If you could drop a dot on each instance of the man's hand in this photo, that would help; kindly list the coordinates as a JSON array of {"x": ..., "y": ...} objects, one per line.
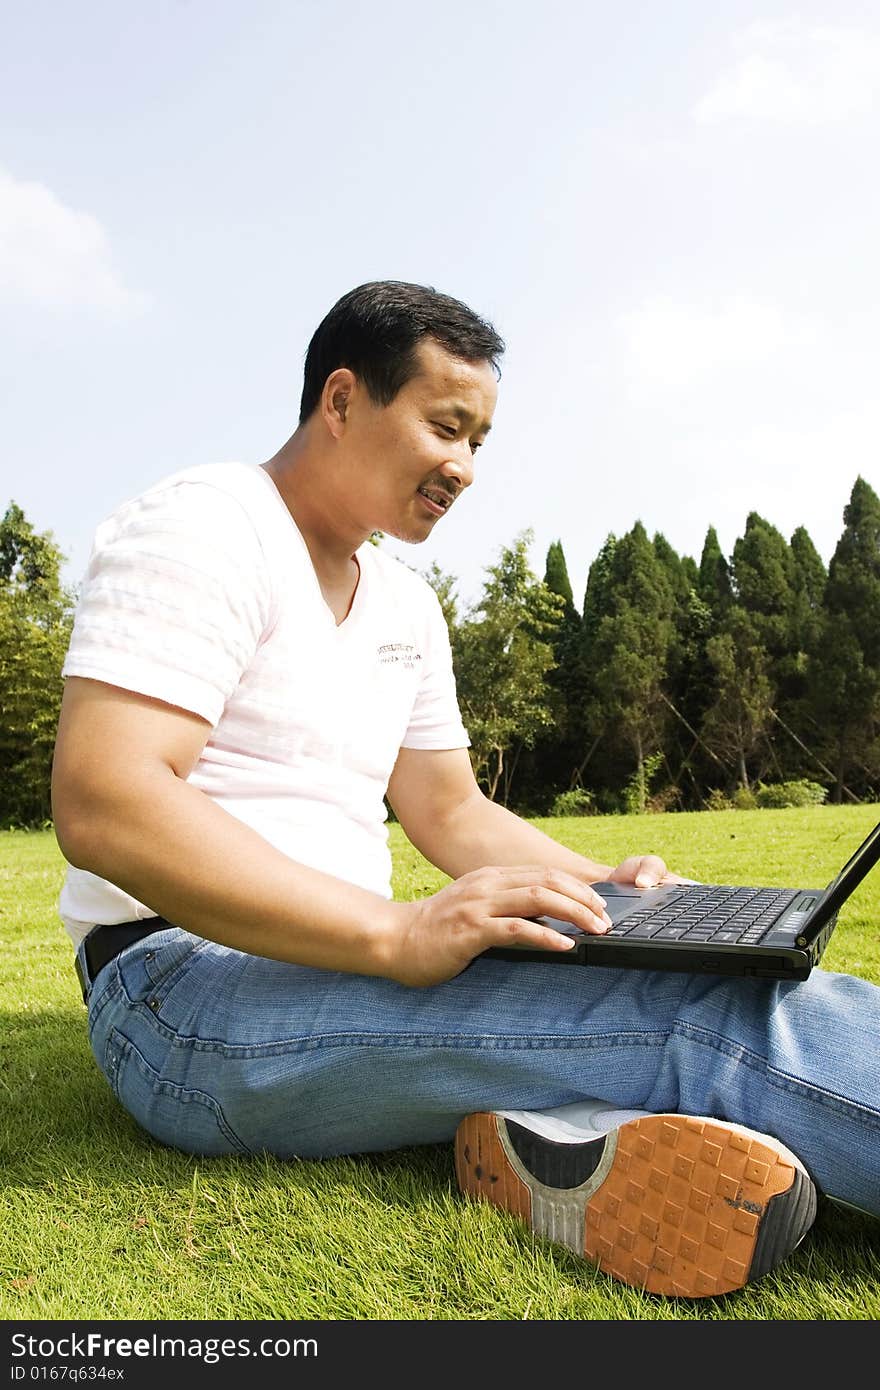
[
  {"x": 645, "y": 871},
  {"x": 438, "y": 936}
]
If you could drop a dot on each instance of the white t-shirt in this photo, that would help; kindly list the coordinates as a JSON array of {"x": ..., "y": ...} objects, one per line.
[{"x": 201, "y": 592}]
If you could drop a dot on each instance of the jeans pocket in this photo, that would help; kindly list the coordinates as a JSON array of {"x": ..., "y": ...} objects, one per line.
[
  {"x": 162, "y": 957},
  {"x": 181, "y": 1117}
]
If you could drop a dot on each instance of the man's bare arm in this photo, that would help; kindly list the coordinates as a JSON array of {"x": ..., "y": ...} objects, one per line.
[
  {"x": 124, "y": 810},
  {"x": 438, "y": 802}
]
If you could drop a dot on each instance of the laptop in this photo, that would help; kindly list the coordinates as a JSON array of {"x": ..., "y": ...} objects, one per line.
[{"x": 771, "y": 933}]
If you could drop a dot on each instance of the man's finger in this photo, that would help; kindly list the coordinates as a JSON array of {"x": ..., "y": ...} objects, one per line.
[
  {"x": 546, "y": 902},
  {"x": 651, "y": 871},
  {"x": 522, "y": 931},
  {"x": 554, "y": 880}
]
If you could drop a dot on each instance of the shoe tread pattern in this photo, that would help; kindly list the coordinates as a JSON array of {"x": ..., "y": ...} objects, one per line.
[
  {"x": 681, "y": 1210},
  {"x": 686, "y": 1207}
]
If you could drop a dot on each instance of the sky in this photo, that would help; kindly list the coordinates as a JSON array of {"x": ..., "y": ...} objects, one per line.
[{"x": 670, "y": 212}]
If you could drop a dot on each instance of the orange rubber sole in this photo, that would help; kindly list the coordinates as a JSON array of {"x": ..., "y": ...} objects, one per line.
[{"x": 675, "y": 1205}]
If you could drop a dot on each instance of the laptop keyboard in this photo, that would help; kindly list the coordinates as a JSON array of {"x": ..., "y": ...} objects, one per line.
[{"x": 705, "y": 913}]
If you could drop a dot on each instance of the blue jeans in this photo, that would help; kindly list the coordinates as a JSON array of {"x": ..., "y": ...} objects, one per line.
[{"x": 214, "y": 1051}]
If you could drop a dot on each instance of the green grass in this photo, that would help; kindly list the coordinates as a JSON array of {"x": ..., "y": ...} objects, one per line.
[{"x": 98, "y": 1221}]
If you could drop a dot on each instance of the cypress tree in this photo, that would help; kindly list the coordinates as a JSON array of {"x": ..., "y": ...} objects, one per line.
[
  {"x": 810, "y": 573},
  {"x": 807, "y": 591},
  {"x": 739, "y": 714},
  {"x": 749, "y": 648},
  {"x": 683, "y": 577},
  {"x": 631, "y": 650},
  {"x": 691, "y": 571},
  {"x": 763, "y": 575},
  {"x": 854, "y": 572},
  {"x": 714, "y": 586},
  {"x": 597, "y": 593},
  {"x": 597, "y": 748},
  {"x": 549, "y": 766},
  {"x": 845, "y": 673},
  {"x": 556, "y": 575}
]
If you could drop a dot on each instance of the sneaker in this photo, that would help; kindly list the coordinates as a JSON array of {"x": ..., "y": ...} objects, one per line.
[{"x": 672, "y": 1204}]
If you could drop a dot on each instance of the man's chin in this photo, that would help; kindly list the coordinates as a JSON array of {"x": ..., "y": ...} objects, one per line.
[{"x": 412, "y": 534}]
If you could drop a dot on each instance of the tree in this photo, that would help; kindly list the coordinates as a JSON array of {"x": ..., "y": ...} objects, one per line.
[
  {"x": 810, "y": 573},
  {"x": 809, "y": 577},
  {"x": 853, "y": 585},
  {"x": 808, "y": 591},
  {"x": 763, "y": 571},
  {"x": 36, "y": 614},
  {"x": 556, "y": 576},
  {"x": 502, "y": 654},
  {"x": 684, "y": 682},
  {"x": 599, "y": 587},
  {"x": 714, "y": 584},
  {"x": 845, "y": 672},
  {"x": 593, "y": 741},
  {"x": 739, "y": 714},
  {"x": 631, "y": 648},
  {"x": 679, "y": 572},
  {"x": 551, "y": 765},
  {"x": 444, "y": 587}
]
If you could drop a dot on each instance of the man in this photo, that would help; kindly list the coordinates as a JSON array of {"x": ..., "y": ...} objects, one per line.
[{"x": 247, "y": 679}]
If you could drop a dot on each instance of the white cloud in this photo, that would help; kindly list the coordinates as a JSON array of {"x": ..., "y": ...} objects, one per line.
[
  {"x": 671, "y": 344},
  {"x": 55, "y": 256},
  {"x": 797, "y": 74}
]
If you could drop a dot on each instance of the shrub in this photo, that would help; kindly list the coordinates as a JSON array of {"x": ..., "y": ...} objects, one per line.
[
  {"x": 668, "y": 798},
  {"x": 744, "y": 799},
  {"x": 717, "y": 801},
  {"x": 575, "y": 802},
  {"x": 635, "y": 793},
  {"x": 800, "y": 793}
]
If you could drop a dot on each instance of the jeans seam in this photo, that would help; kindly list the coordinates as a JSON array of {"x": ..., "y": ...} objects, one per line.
[
  {"x": 184, "y": 1094},
  {"x": 431, "y": 1041},
  {"x": 102, "y": 999}
]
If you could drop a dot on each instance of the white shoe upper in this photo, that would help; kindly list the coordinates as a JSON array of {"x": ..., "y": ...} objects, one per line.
[{"x": 572, "y": 1124}]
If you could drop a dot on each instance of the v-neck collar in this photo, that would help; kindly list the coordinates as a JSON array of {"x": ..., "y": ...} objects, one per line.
[{"x": 357, "y": 598}]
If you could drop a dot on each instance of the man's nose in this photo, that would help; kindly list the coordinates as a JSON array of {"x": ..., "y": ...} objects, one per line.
[{"x": 460, "y": 465}]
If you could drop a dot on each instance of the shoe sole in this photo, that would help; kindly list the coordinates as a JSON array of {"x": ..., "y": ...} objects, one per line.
[{"x": 671, "y": 1204}]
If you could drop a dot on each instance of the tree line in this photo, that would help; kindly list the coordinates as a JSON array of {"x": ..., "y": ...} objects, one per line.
[{"x": 678, "y": 684}]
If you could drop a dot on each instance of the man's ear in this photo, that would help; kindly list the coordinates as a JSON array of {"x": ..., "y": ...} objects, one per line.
[{"x": 336, "y": 399}]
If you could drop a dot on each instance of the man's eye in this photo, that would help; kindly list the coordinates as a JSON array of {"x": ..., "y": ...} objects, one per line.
[{"x": 449, "y": 430}]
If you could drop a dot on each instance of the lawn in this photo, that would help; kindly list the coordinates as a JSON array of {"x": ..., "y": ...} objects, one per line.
[{"x": 99, "y": 1222}]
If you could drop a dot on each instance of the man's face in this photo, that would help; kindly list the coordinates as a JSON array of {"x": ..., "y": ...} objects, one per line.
[{"x": 410, "y": 460}]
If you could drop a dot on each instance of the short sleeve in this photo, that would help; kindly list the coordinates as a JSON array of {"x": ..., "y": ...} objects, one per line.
[
  {"x": 175, "y": 598},
  {"x": 435, "y": 721}
]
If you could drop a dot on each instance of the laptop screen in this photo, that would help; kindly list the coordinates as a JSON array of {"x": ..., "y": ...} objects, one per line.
[{"x": 850, "y": 876}]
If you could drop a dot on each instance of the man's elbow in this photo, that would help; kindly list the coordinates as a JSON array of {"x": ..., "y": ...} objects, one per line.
[
  {"x": 73, "y": 821},
  {"x": 88, "y": 819}
]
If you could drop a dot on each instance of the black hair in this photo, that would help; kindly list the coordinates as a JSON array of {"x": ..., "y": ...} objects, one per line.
[{"x": 375, "y": 329}]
